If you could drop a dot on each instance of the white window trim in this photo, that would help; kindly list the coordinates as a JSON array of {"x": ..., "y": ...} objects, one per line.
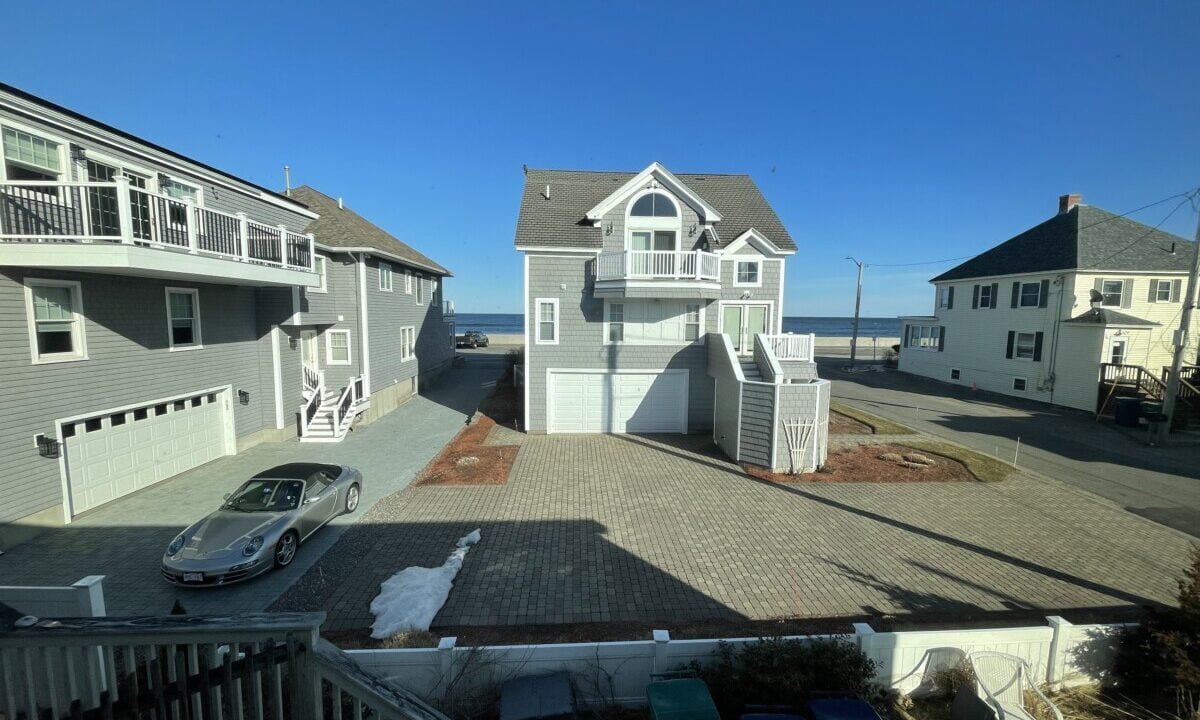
[
  {"x": 122, "y": 166},
  {"x": 385, "y": 266},
  {"x": 411, "y": 334},
  {"x": 1017, "y": 346},
  {"x": 1120, "y": 293},
  {"x": 683, "y": 323},
  {"x": 1023, "y": 381},
  {"x": 759, "y": 274},
  {"x": 943, "y": 297},
  {"x": 64, "y": 157},
  {"x": 408, "y": 284},
  {"x": 1021, "y": 294},
  {"x": 1113, "y": 341},
  {"x": 1158, "y": 285},
  {"x": 920, "y": 348},
  {"x": 329, "y": 348},
  {"x": 198, "y": 187},
  {"x": 323, "y": 273},
  {"x": 198, "y": 344},
  {"x": 991, "y": 301},
  {"x": 420, "y": 279},
  {"x": 537, "y": 321},
  {"x": 80, "y": 331},
  {"x": 650, "y": 224}
]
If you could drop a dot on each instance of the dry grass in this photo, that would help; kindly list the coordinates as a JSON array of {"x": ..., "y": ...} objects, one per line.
[
  {"x": 410, "y": 639},
  {"x": 984, "y": 467},
  {"x": 877, "y": 424},
  {"x": 1082, "y": 703}
]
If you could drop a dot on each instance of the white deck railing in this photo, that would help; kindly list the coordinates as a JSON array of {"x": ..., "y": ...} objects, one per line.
[
  {"x": 654, "y": 264},
  {"x": 792, "y": 347},
  {"x": 116, "y": 212},
  {"x": 314, "y": 387},
  {"x": 447, "y": 308}
]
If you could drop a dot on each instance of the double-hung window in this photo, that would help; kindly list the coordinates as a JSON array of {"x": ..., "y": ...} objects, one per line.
[
  {"x": 748, "y": 272},
  {"x": 55, "y": 320},
  {"x": 946, "y": 297},
  {"x": 1023, "y": 348},
  {"x": 691, "y": 322},
  {"x": 408, "y": 278},
  {"x": 420, "y": 281},
  {"x": 337, "y": 347},
  {"x": 183, "y": 318},
  {"x": 319, "y": 269},
  {"x": 547, "y": 321},
  {"x": 1112, "y": 290},
  {"x": 408, "y": 343},
  {"x": 616, "y": 322},
  {"x": 1031, "y": 294},
  {"x": 31, "y": 157},
  {"x": 985, "y": 296},
  {"x": 385, "y": 277},
  {"x": 925, "y": 337},
  {"x": 172, "y": 188}
]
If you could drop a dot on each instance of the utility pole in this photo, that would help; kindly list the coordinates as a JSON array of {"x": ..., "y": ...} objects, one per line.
[
  {"x": 857, "y": 306},
  {"x": 1181, "y": 340}
]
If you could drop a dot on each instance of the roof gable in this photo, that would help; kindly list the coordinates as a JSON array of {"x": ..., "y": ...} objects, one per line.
[
  {"x": 340, "y": 227},
  {"x": 651, "y": 177},
  {"x": 756, "y": 240}
]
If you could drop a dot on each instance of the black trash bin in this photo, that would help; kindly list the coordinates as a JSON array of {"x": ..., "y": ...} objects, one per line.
[{"x": 1126, "y": 411}]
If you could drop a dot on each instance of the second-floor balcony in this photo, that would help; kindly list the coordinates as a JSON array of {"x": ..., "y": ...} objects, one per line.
[
  {"x": 636, "y": 273},
  {"x": 116, "y": 227}
]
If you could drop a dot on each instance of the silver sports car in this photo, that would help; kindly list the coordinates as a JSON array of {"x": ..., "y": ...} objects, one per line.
[{"x": 262, "y": 524}]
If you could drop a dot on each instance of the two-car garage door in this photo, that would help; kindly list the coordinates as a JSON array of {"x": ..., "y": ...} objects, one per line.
[
  {"x": 125, "y": 450},
  {"x": 617, "y": 402}
]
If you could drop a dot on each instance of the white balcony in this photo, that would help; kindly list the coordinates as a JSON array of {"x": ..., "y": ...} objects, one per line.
[{"x": 114, "y": 227}]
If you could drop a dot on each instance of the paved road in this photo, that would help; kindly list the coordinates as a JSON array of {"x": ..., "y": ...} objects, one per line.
[
  {"x": 124, "y": 540},
  {"x": 1162, "y": 484}
]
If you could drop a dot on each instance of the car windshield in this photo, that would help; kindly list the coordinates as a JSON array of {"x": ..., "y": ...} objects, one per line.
[{"x": 259, "y": 495}]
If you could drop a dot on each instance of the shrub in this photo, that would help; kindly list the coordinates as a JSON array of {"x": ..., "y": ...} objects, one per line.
[
  {"x": 774, "y": 671},
  {"x": 1161, "y": 656}
]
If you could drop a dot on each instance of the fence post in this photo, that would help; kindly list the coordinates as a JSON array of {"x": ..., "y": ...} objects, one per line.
[
  {"x": 283, "y": 245},
  {"x": 244, "y": 230},
  {"x": 446, "y": 658},
  {"x": 90, "y": 596},
  {"x": 1056, "y": 663},
  {"x": 662, "y": 638},
  {"x": 124, "y": 208}
]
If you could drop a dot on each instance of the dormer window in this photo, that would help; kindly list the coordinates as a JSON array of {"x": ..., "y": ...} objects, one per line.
[
  {"x": 653, "y": 233},
  {"x": 654, "y": 205}
]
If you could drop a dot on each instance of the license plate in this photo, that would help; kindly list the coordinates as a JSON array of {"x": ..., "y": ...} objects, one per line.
[{"x": 193, "y": 577}]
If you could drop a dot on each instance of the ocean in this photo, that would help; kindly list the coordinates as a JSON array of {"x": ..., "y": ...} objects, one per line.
[{"x": 511, "y": 324}]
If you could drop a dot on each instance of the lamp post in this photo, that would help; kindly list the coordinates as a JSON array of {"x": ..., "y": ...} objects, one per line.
[{"x": 857, "y": 306}]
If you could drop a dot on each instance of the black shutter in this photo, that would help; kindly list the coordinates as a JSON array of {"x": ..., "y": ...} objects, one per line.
[
  {"x": 1175, "y": 285},
  {"x": 1044, "y": 295},
  {"x": 950, "y": 299},
  {"x": 975, "y": 298},
  {"x": 1153, "y": 296},
  {"x": 1012, "y": 336},
  {"x": 1037, "y": 346},
  {"x": 941, "y": 338},
  {"x": 1016, "y": 293},
  {"x": 995, "y": 295}
]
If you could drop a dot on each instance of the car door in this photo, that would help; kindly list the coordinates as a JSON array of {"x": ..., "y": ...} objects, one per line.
[{"x": 320, "y": 503}]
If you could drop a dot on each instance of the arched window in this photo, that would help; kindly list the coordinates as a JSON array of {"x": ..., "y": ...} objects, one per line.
[{"x": 654, "y": 205}]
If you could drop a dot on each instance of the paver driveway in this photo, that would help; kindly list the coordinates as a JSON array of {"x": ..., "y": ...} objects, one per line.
[
  {"x": 625, "y": 528},
  {"x": 124, "y": 541}
]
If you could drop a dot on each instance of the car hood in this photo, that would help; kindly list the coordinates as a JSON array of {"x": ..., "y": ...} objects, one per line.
[{"x": 227, "y": 531}]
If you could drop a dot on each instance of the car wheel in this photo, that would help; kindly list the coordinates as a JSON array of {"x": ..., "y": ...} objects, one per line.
[
  {"x": 474, "y": 345},
  {"x": 352, "y": 498},
  {"x": 285, "y": 549}
]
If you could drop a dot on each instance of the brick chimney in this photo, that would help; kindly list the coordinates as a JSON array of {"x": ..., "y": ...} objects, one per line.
[{"x": 1066, "y": 202}]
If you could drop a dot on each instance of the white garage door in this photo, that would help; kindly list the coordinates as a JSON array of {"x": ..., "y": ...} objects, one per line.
[
  {"x": 117, "y": 453},
  {"x": 590, "y": 402}
]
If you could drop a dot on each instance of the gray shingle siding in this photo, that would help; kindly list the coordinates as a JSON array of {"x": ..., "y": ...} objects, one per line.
[
  {"x": 387, "y": 313},
  {"x": 129, "y": 362},
  {"x": 803, "y": 403},
  {"x": 758, "y": 417}
]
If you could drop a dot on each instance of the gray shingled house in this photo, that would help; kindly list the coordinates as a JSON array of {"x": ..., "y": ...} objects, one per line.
[
  {"x": 1075, "y": 311},
  {"x": 158, "y": 313},
  {"x": 653, "y": 304}
]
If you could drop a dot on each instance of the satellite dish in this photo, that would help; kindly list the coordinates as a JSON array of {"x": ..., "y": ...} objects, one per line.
[{"x": 1094, "y": 296}]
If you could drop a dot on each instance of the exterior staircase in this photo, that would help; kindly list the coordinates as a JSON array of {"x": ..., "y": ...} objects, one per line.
[
  {"x": 322, "y": 427},
  {"x": 326, "y": 414},
  {"x": 750, "y": 369}
]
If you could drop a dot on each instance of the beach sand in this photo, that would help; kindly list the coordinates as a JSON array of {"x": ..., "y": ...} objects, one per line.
[{"x": 835, "y": 345}]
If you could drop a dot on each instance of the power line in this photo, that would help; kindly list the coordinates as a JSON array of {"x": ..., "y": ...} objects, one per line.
[
  {"x": 1187, "y": 198},
  {"x": 927, "y": 262}
]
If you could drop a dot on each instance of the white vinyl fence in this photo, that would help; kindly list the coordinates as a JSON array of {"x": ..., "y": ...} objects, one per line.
[
  {"x": 84, "y": 598},
  {"x": 1059, "y": 654}
]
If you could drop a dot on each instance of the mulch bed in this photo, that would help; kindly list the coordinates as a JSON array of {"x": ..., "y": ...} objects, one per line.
[
  {"x": 466, "y": 460},
  {"x": 864, "y": 464},
  {"x": 840, "y": 424}
]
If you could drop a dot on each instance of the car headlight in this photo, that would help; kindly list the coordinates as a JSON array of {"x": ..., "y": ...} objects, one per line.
[
  {"x": 253, "y": 546},
  {"x": 176, "y": 544}
]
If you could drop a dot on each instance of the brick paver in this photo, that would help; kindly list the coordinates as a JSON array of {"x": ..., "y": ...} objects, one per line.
[{"x": 616, "y": 528}]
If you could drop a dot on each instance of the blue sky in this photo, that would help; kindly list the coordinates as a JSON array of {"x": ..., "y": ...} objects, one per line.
[{"x": 895, "y": 132}]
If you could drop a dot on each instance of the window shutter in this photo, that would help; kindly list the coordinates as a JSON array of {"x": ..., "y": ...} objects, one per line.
[
  {"x": 941, "y": 338},
  {"x": 1127, "y": 293},
  {"x": 950, "y": 299},
  {"x": 1012, "y": 337},
  {"x": 1016, "y": 293},
  {"x": 995, "y": 295},
  {"x": 975, "y": 299},
  {"x": 1037, "y": 346},
  {"x": 1153, "y": 296},
  {"x": 1175, "y": 287},
  {"x": 1044, "y": 295}
]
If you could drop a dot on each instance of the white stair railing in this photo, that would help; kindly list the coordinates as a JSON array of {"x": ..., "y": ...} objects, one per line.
[
  {"x": 791, "y": 346},
  {"x": 310, "y": 407}
]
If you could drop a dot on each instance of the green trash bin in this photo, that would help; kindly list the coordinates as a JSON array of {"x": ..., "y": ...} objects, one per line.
[
  {"x": 1151, "y": 407},
  {"x": 683, "y": 699}
]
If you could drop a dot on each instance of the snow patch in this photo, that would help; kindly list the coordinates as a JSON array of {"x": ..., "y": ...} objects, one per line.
[{"x": 411, "y": 598}]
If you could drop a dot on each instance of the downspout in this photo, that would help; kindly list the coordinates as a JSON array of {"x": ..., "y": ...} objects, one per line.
[
  {"x": 363, "y": 334},
  {"x": 1062, "y": 287}
]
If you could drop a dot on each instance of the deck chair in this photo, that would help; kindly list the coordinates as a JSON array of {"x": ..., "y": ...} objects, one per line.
[
  {"x": 934, "y": 660},
  {"x": 1001, "y": 680}
]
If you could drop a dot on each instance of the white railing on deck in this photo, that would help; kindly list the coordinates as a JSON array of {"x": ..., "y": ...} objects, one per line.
[
  {"x": 447, "y": 308},
  {"x": 791, "y": 346},
  {"x": 347, "y": 406},
  {"x": 651, "y": 264},
  {"x": 116, "y": 212}
]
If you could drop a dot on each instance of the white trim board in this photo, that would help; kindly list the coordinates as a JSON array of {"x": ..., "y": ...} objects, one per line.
[
  {"x": 655, "y": 171},
  {"x": 756, "y": 240},
  {"x": 383, "y": 254}
]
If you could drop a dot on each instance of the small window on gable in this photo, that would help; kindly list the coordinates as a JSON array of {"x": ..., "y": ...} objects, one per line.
[
  {"x": 748, "y": 272},
  {"x": 654, "y": 205}
]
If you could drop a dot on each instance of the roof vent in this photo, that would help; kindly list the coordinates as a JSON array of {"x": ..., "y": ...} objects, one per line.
[
  {"x": 547, "y": 192},
  {"x": 341, "y": 206},
  {"x": 1066, "y": 202}
]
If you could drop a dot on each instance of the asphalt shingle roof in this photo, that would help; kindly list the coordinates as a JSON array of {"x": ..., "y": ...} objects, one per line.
[
  {"x": 1083, "y": 238},
  {"x": 560, "y": 222},
  {"x": 342, "y": 227},
  {"x": 1104, "y": 316}
]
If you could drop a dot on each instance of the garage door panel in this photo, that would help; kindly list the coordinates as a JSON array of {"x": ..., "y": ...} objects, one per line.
[
  {"x": 617, "y": 402},
  {"x": 112, "y": 461}
]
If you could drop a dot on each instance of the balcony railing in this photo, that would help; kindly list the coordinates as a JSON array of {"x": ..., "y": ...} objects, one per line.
[
  {"x": 658, "y": 264},
  {"x": 447, "y": 308},
  {"x": 117, "y": 212},
  {"x": 792, "y": 347}
]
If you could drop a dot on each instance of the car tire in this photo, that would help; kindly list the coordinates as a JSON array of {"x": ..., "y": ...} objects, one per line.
[
  {"x": 474, "y": 345},
  {"x": 285, "y": 549},
  {"x": 353, "y": 495}
]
